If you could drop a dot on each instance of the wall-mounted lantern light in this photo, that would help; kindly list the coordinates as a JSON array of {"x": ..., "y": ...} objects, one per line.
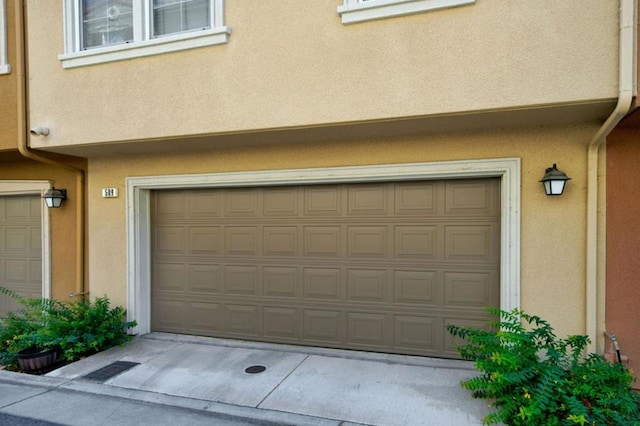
[
  {"x": 554, "y": 181},
  {"x": 54, "y": 197}
]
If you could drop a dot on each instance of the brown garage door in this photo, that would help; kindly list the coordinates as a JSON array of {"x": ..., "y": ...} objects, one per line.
[
  {"x": 20, "y": 248},
  {"x": 377, "y": 266}
]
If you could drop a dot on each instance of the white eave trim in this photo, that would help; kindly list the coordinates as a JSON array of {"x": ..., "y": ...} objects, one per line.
[
  {"x": 152, "y": 47},
  {"x": 359, "y": 11}
]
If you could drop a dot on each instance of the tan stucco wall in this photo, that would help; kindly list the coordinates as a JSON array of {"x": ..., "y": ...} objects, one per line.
[
  {"x": 9, "y": 88},
  {"x": 292, "y": 63},
  {"x": 62, "y": 221},
  {"x": 552, "y": 231}
]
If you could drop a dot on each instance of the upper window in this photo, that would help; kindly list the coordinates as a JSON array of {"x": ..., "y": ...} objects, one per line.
[
  {"x": 106, "y": 23},
  {"x": 176, "y": 16},
  {"x": 5, "y": 68},
  {"x": 100, "y": 31},
  {"x": 367, "y": 10}
]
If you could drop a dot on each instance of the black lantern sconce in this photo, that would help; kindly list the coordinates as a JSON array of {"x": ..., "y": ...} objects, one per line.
[
  {"x": 554, "y": 181},
  {"x": 54, "y": 197}
]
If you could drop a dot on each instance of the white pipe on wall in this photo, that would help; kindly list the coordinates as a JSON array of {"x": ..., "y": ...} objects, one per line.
[
  {"x": 25, "y": 150},
  {"x": 626, "y": 93}
]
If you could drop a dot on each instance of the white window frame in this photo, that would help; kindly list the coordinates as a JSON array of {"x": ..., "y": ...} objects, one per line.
[
  {"x": 138, "y": 217},
  {"x": 353, "y": 11},
  {"x": 144, "y": 44},
  {"x": 5, "y": 68}
]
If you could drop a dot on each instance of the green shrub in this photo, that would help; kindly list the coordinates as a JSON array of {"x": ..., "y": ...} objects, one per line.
[
  {"x": 535, "y": 378},
  {"x": 76, "y": 328}
]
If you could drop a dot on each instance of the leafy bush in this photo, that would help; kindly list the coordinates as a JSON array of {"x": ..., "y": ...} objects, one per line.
[
  {"x": 535, "y": 378},
  {"x": 76, "y": 328}
]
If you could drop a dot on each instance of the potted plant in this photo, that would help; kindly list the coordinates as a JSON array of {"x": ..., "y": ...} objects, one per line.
[
  {"x": 27, "y": 337},
  {"x": 37, "y": 359},
  {"x": 42, "y": 331}
]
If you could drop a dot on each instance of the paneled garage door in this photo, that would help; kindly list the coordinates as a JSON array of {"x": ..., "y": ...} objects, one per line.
[
  {"x": 20, "y": 248},
  {"x": 376, "y": 266}
]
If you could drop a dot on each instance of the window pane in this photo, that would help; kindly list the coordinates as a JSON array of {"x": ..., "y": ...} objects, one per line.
[
  {"x": 174, "y": 16},
  {"x": 106, "y": 22}
]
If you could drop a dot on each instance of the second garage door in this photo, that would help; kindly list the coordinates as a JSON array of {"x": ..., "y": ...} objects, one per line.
[
  {"x": 20, "y": 248},
  {"x": 371, "y": 266}
]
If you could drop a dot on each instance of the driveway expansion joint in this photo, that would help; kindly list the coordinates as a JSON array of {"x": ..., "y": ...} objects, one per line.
[{"x": 282, "y": 381}]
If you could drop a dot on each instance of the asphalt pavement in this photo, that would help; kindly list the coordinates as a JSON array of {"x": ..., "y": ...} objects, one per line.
[
  {"x": 9, "y": 420},
  {"x": 44, "y": 404}
]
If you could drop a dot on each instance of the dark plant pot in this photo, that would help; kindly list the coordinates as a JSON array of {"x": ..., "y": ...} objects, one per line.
[{"x": 35, "y": 359}]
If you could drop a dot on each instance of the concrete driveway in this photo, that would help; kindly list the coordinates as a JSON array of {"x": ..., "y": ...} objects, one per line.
[{"x": 357, "y": 387}]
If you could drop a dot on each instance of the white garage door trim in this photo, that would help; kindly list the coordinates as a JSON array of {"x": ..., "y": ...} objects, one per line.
[
  {"x": 35, "y": 187},
  {"x": 138, "y": 212}
]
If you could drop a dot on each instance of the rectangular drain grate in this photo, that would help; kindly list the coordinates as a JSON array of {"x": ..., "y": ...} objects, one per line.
[{"x": 109, "y": 371}]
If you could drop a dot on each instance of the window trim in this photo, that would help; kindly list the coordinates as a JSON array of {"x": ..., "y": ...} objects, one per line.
[
  {"x": 5, "y": 68},
  {"x": 144, "y": 44},
  {"x": 353, "y": 11}
]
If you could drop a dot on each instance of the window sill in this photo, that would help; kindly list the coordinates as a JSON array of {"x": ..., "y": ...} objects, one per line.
[
  {"x": 379, "y": 9},
  {"x": 147, "y": 48},
  {"x": 5, "y": 69}
]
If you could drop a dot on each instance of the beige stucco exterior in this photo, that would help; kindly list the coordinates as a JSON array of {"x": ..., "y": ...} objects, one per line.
[
  {"x": 62, "y": 230},
  {"x": 299, "y": 66},
  {"x": 8, "y": 128},
  {"x": 294, "y": 88},
  {"x": 553, "y": 238},
  {"x": 19, "y": 175}
]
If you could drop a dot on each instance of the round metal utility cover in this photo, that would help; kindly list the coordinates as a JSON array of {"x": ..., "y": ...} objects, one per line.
[{"x": 255, "y": 369}]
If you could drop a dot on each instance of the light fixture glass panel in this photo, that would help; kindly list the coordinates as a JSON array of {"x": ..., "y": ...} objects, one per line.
[
  {"x": 557, "y": 186},
  {"x": 53, "y": 198}
]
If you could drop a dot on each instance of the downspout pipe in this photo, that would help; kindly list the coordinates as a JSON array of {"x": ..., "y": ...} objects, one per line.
[
  {"x": 23, "y": 131},
  {"x": 626, "y": 93}
]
